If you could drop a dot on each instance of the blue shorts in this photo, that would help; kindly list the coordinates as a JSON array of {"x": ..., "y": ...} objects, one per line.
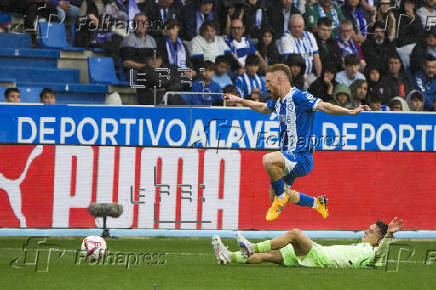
[{"x": 297, "y": 164}]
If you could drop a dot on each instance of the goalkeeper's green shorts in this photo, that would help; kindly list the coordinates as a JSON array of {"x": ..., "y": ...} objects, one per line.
[{"x": 315, "y": 257}]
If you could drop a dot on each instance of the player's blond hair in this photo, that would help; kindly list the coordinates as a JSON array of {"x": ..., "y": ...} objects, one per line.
[{"x": 282, "y": 68}]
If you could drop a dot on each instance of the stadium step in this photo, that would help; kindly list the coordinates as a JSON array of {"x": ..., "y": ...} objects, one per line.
[
  {"x": 24, "y": 74},
  {"x": 26, "y": 57},
  {"x": 14, "y": 40}
]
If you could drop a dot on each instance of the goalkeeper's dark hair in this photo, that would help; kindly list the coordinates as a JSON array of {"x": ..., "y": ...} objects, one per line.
[{"x": 383, "y": 227}]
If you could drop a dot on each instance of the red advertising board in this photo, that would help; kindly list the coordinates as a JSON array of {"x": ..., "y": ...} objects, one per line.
[{"x": 51, "y": 186}]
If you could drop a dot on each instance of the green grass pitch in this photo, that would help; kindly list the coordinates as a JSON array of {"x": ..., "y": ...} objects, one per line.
[{"x": 189, "y": 263}]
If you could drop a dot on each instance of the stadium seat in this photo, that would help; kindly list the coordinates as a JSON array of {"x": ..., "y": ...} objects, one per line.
[
  {"x": 53, "y": 35},
  {"x": 14, "y": 40},
  {"x": 102, "y": 71},
  {"x": 29, "y": 95},
  {"x": 2, "y": 93},
  {"x": 5, "y": 17}
]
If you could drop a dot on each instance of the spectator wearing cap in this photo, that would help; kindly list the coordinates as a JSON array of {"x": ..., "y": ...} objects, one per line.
[
  {"x": 171, "y": 47},
  {"x": 425, "y": 82},
  {"x": 346, "y": 43},
  {"x": 329, "y": 51},
  {"x": 323, "y": 86},
  {"x": 427, "y": 13},
  {"x": 195, "y": 14},
  {"x": 301, "y": 42},
  {"x": 280, "y": 14},
  {"x": 138, "y": 45},
  {"x": 240, "y": 45},
  {"x": 415, "y": 100},
  {"x": 12, "y": 95},
  {"x": 48, "y": 96},
  {"x": 351, "y": 72},
  {"x": 377, "y": 48},
  {"x": 422, "y": 48},
  {"x": 396, "y": 79},
  {"x": 159, "y": 12},
  {"x": 324, "y": 8}
]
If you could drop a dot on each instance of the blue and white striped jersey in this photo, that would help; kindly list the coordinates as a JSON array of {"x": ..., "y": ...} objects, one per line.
[
  {"x": 296, "y": 113},
  {"x": 306, "y": 47}
]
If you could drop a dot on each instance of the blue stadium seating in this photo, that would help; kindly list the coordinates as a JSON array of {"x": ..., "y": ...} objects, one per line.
[
  {"x": 53, "y": 35},
  {"x": 13, "y": 40},
  {"x": 27, "y": 95},
  {"x": 26, "y": 57},
  {"x": 5, "y": 17},
  {"x": 25, "y": 74},
  {"x": 102, "y": 71}
]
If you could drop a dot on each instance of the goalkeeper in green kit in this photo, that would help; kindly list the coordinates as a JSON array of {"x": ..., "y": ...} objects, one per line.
[{"x": 296, "y": 249}]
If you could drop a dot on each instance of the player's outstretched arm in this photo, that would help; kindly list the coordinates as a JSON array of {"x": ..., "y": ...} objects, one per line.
[
  {"x": 256, "y": 106},
  {"x": 338, "y": 110}
]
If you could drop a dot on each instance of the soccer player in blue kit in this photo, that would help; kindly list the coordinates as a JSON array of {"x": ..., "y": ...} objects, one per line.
[{"x": 295, "y": 109}]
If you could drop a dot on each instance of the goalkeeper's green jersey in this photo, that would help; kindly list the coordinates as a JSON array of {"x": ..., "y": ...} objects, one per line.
[{"x": 361, "y": 255}]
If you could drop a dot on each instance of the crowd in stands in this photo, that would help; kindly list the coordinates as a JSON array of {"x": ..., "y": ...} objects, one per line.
[{"x": 348, "y": 52}]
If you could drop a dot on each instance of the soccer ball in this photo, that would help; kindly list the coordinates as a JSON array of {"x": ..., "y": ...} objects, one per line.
[{"x": 93, "y": 247}]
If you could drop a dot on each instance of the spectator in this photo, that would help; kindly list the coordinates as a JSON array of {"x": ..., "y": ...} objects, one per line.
[
  {"x": 385, "y": 15},
  {"x": 422, "y": 48},
  {"x": 137, "y": 46},
  {"x": 329, "y": 51},
  {"x": 415, "y": 100},
  {"x": 425, "y": 82},
  {"x": 346, "y": 42},
  {"x": 409, "y": 26},
  {"x": 91, "y": 11},
  {"x": 159, "y": 12},
  {"x": 353, "y": 12},
  {"x": 324, "y": 8},
  {"x": 250, "y": 85},
  {"x": 235, "y": 10},
  {"x": 66, "y": 9},
  {"x": 255, "y": 12},
  {"x": 376, "y": 81},
  {"x": 375, "y": 102},
  {"x": 342, "y": 96},
  {"x": 241, "y": 46},
  {"x": 359, "y": 93},
  {"x": 230, "y": 89},
  {"x": 427, "y": 14},
  {"x": 297, "y": 65},
  {"x": 12, "y": 95},
  {"x": 396, "y": 79},
  {"x": 377, "y": 48},
  {"x": 205, "y": 85},
  {"x": 280, "y": 15},
  {"x": 324, "y": 85},
  {"x": 351, "y": 72},
  {"x": 171, "y": 47},
  {"x": 196, "y": 13},
  {"x": 33, "y": 10},
  {"x": 398, "y": 104},
  {"x": 221, "y": 76},
  {"x": 370, "y": 6},
  {"x": 268, "y": 49},
  {"x": 207, "y": 46},
  {"x": 156, "y": 81},
  {"x": 301, "y": 42},
  {"x": 47, "y": 96}
]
